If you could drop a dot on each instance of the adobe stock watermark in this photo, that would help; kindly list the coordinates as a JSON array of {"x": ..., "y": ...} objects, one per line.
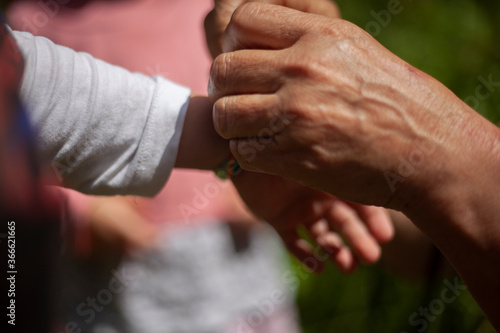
[
  {"x": 409, "y": 165},
  {"x": 383, "y": 18},
  {"x": 87, "y": 310},
  {"x": 422, "y": 318},
  {"x": 48, "y": 9},
  {"x": 266, "y": 308},
  {"x": 201, "y": 199},
  {"x": 484, "y": 90},
  {"x": 157, "y": 70},
  {"x": 253, "y": 146},
  {"x": 65, "y": 166}
]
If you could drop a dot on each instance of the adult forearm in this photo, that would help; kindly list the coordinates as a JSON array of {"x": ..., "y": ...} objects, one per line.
[
  {"x": 459, "y": 208},
  {"x": 363, "y": 125}
]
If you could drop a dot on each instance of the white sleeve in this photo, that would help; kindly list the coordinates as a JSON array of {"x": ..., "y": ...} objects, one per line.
[{"x": 104, "y": 130}]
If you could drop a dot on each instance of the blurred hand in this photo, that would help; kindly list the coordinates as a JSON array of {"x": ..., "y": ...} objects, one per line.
[
  {"x": 115, "y": 226},
  {"x": 218, "y": 19},
  {"x": 319, "y": 101},
  {"x": 286, "y": 205}
]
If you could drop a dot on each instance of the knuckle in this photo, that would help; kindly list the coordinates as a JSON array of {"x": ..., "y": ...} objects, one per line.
[
  {"x": 303, "y": 64},
  {"x": 218, "y": 74},
  {"x": 220, "y": 118},
  {"x": 245, "y": 11}
]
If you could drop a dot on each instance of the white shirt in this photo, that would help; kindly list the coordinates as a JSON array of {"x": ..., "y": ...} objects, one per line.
[{"x": 104, "y": 130}]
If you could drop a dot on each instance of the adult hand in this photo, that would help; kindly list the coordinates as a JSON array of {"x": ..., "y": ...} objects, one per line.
[
  {"x": 287, "y": 205},
  {"x": 318, "y": 100},
  {"x": 218, "y": 19}
]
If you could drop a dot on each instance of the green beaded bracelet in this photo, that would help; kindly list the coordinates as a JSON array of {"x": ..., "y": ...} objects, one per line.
[{"x": 228, "y": 169}]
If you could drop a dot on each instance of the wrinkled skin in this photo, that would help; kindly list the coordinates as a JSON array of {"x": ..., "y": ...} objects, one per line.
[{"x": 359, "y": 123}]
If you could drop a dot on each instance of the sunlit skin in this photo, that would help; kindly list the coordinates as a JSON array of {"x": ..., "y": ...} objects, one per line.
[
  {"x": 286, "y": 205},
  {"x": 358, "y": 114}
]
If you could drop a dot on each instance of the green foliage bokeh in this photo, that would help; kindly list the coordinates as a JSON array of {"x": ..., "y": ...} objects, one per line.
[{"x": 455, "y": 41}]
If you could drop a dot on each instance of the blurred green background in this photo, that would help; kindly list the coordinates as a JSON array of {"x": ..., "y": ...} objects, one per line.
[{"x": 455, "y": 41}]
